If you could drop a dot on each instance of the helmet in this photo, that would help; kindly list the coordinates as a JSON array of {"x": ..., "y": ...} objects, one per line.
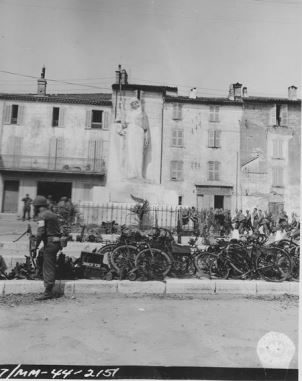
[{"x": 40, "y": 201}]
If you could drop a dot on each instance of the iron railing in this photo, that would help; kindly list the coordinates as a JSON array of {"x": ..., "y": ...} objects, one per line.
[{"x": 48, "y": 163}]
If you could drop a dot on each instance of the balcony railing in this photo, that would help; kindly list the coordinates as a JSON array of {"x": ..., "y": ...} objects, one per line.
[{"x": 52, "y": 164}]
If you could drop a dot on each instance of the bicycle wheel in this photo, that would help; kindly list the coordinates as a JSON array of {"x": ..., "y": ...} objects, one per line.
[
  {"x": 219, "y": 267},
  {"x": 122, "y": 258},
  {"x": 154, "y": 261},
  {"x": 273, "y": 265},
  {"x": 106, "y": 251},
  {"x": 202, "y": 263},
  {"x": 238, "y": 264}
]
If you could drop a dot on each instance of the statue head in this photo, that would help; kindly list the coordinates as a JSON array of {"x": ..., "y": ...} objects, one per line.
[{"x": 135, "y": 103}]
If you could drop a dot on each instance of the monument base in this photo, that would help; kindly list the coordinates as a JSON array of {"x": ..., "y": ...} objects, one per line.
[{"x": 121, "y": 191}]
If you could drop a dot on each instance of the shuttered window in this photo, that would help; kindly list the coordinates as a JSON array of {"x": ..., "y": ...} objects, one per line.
[
  {"x": 272, "y": 116},
  {"x": 55, "y": 116},
  {"x": 56, "y": 153},
  {"x": 177, "y": 111},
  {"x": 177, "y": 137},
  {"x": 13, "y": 114},
  {"x": 95, "y": 155},
  {"x": 277, "y": 176},
  {"x": 213, "y": 170},
  {"x": 214, "y": 138},
  {"x": 214, "y": 113},
  {"x": 277, "y": 148},
  {"x": 97, "y": 119},
  {"x": 284, "y": 115},
  {"x": 176, "y": 170}
]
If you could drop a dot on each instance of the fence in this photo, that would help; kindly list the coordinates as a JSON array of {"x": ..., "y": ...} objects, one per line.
[{"x": 162, "y": 216}]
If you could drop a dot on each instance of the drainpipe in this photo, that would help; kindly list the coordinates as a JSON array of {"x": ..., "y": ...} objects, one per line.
[
  {"x": 161, "y": 141},
  {"x": 237, "y": 179}
]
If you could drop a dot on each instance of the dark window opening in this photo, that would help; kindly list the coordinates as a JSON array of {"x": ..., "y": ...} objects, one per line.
[
  {"x": 218, "y": 202},
  {"x": 14, "y": 118},
  {"x": 278, "y": 115},
  {"x": 56, "y": 189},
  {"x": 55, "y": 116},
  {"x": 179, "y": 200},
  {"x": 97, "y": 118}
]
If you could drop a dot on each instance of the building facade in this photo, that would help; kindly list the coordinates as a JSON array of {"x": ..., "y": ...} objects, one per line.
[
  {"x": 271, "y": 152},
  {"x": 52, "y": 145},
  {"x": 233, "y": 152}
]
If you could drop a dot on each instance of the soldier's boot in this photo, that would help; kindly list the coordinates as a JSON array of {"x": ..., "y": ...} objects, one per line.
[{"x": 47, "y": 294}]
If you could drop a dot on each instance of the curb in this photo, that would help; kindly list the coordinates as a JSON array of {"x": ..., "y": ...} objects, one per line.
[{"x": 168, "y": 287}]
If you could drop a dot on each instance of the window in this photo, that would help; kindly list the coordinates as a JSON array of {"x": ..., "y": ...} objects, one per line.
[
  {"x": 177, "y": 111},
  {"x": 177, "y": 137},
  {"x": 14, "y": 117},
  {"x": 13, "y": 114},
  {"x": 277, "y": 148},
  {"x": 214, "y": 138},
  {"x": 214, "y": 113},
  {"x": 55, "y": 116},
  {"x": 277, "y": 177},
  {"x": 213, "y": 170},
  {"x": 96, "y": 119},
  {"x": 279, "y": 115},
  {"x": 177, "y": 170}
]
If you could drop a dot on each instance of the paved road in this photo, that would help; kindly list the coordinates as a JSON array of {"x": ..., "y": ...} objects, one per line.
[{"x": 206, "y": 331}]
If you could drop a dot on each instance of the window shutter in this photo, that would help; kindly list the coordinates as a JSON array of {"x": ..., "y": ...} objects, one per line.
[
  {"x": 177, "y": 111},
  {"x": 20, "y": 115},
  {"x": 273, "y": 120},
  {"x": 180, "y": 138},
  {"x": 212, "y": 117},
  {"x": 275, "y": 148},
  {"x": 52, "y": 152},
  {"x": 174, "y": 137},
  {"x": 210, "y": 170},
  {"x": 61, "y": 117},
  {"x": 105, "y": 120},
  {"x": 217, "y": 164},
  {"x": 88, "y": 118},
  {"x": 211, "y": 137},
  {"x": 60, "y": 147},
  {"x": 217, "y": 138},
  {"x": 284, "y": 115},
  {"x": 275, "y": 174},
  {"x": 216, "y": 113},
  {"x": 91, "y": 153},
  {"x": 7, "y": 114},
  {"x": 280, "y": 148}
]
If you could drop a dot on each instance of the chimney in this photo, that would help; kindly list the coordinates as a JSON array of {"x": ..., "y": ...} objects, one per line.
[
  {"x": 237, "y": 91},
  {"x": 244, "y": 92},
  {"x": 118, "y": 74},
  {"x": 193, "y": 93},
  {"x": 292, "y": 93},
  {"x": 231, "y": 92},
  {"x": 42, "y": 83},
  {"x": 124, "y": 77}
]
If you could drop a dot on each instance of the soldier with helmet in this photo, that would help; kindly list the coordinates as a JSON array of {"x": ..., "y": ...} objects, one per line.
[{"x": 49, "y": 233}]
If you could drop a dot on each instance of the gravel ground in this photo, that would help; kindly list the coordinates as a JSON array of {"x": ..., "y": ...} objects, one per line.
[{"x": 114, "y": 330}]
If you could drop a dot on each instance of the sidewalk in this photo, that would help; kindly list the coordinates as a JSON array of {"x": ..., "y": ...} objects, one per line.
[{"x": 194, "y": 287}]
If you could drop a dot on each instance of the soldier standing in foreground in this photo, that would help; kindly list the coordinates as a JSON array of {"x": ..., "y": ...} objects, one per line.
[{"x": 48, "y": 233}]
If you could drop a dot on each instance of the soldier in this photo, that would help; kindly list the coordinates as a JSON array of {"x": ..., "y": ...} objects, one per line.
[
  {"x": 48, "y": 233},
  {"x": 27, "y": 206}
]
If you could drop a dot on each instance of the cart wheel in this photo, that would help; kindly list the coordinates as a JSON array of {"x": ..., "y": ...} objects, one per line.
[{"x": 132, "y": 275}]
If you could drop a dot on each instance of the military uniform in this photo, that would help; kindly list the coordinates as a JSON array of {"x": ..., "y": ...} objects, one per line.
[{"x": 49, "y": 233}]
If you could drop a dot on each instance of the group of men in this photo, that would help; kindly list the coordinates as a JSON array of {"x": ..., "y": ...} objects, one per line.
[{"x": 64, "y": 207}]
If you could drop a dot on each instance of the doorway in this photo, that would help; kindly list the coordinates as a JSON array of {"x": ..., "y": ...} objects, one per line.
[
  {"x": 218, "y": 202},
  {"x": 55, "y": 189},
  {"x": 10, "y": 196}
]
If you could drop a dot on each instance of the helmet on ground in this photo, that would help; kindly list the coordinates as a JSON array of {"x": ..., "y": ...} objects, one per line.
[{"x": 40, "y": 201}]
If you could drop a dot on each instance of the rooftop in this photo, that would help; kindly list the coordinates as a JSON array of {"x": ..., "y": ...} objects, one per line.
[
  {"x": 97, "y": 99},
  {"x": 151, "y": 88}
]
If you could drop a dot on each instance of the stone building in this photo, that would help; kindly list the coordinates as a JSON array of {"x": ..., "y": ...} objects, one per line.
[
  {"x": 52, "y": 145},
  {"x": 233, "y": 152},
  {"x": 201, "y": 150},
  {"x": 271, "y": 152}
]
